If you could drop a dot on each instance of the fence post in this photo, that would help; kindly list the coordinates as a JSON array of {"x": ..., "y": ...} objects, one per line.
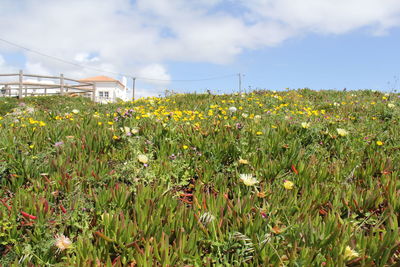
[
  {"x": 21, "y": 79},
  {"x": 133, "y": 88},
  {"x": 62, "y": 84},
  {"x": 94, "y": 92}
]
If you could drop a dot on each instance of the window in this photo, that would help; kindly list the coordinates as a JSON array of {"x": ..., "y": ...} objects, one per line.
[{"x": 104, "y": 94}]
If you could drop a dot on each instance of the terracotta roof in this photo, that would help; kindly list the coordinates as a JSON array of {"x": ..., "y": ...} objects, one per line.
[{"x": 101, "y": 79}]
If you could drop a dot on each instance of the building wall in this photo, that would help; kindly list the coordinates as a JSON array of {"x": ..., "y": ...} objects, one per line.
[{"x": 114, "y": 90}]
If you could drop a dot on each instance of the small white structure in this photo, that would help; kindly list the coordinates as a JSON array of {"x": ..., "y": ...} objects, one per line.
[{"x": 108, "y": 89}]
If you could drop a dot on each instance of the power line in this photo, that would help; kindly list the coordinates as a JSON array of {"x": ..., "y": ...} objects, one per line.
[
  {"x": 62, "y": 60},
  {"x": 192, "y": 80},
  {"x": 111, "y": 72}
]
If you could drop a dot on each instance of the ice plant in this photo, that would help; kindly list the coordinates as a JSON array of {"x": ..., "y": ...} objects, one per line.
[
  {"x": 62, "y": 243},
  {"x": 206, "y": 218},
  {"x": 248, "y": 179},
  {"x": 342, "y": 132},
  {"x": 288, "y": 185}
]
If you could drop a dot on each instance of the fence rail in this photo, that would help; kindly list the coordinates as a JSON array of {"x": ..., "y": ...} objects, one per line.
[{"x": 14, "y": 85}]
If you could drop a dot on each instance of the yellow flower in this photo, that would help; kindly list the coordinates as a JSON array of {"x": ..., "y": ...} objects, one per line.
[
  {"x": 185, "y": 147},
  {"x": 143, "y": 159},
  {"x": 243, "y": 161},
  {"x": 62, "y": 242},
  {"x": 110, "y": 123},
  {"x": 288, "y": 185},
  {"x": 99, "y": 123},
  {"x": 305, "y": 125},
  {"x": 259, "y": 133},
  {"x": 115, "y": 137},
  {"x": 350, "y": 254},
  {"x": 248, "y": 179},
  {"x": 379, "y": 143},
  {"x": 31, "y": 146},
  {"x": 342, "y": 132}
]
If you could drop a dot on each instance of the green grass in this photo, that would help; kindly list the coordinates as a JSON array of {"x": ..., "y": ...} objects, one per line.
[{"x": 70, "y": 167}]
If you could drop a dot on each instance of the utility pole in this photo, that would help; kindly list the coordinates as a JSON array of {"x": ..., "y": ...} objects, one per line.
[
  {"x": 133, "y": 87},
  {"x": 240, "y": 81}
]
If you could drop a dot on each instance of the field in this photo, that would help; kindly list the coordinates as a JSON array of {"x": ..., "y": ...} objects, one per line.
[{"x": 292, "y": 178}]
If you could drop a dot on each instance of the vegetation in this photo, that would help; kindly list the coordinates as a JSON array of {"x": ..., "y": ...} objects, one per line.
[{"x": 294, "y": 178}]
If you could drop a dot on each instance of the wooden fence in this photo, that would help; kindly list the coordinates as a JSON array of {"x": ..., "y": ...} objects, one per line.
[{"x": 16, "y": 86}]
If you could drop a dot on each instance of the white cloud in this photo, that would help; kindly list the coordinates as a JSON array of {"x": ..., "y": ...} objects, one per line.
[
  {"x": 328, "y": 16},
  {"x": 147, "y": 92},
  {"x": 156, "y": 72},
  {"x": 36, "y": 68},
  {"x": 85, "y": 58},
  {"x": 138, "y": 37}
]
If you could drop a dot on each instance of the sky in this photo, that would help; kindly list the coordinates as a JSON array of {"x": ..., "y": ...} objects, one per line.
[{"x": 199, "y": 45}]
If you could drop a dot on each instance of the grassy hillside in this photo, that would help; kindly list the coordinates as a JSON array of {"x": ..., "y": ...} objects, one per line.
[{"x": 295, "y": 178}]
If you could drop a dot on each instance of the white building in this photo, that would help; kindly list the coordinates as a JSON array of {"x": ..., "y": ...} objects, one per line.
[{"x": 108, "y": 89}]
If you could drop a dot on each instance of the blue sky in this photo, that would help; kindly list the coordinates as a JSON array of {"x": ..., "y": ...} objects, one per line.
[
  {"x": 330, "y": 44},
  {"x": 354, "y": 60}
]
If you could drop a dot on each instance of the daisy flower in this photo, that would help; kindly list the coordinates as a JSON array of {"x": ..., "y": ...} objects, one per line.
[{"x": 248, "y": 179}]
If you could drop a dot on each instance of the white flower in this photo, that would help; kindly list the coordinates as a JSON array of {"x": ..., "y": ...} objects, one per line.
[
  {"x": 233, "y": 109},
  {"x": 336, "y": 104},
  {"x": 305, "y": 125},
  {"x": 245, "y": 115},
  {"x": 30, "y": 110},
  {"x": 342, "y": 132},
  {"x": 248, "y": 179},
  {"x": 350, "y": 254},
  {"x": 62, "y": 242},
  {"x": 391, "y": 105},
  {"x": 134, "y": 130},
  {"x": 143, "y": 159},
  {"x": 257, "y": 118},
  {"x": 75, "y": 111}
]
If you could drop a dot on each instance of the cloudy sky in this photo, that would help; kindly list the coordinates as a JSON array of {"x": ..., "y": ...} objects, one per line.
[{"x": 320, "y": 44}]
